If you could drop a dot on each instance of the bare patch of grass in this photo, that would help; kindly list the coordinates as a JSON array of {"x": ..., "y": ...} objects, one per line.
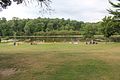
[{"x": 7, "y": 72}]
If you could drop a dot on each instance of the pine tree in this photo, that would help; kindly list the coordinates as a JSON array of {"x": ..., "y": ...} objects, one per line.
[
  {"x": 116, "y": 12},
  {"x": 5, "y": 3}
]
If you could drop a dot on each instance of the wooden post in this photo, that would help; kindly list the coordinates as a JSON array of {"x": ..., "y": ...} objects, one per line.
[{"x": 14, "y": 39}]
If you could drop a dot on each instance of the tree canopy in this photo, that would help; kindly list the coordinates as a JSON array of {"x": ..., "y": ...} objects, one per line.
[
  {"x": 39, "y": 26},
  {"x": 5, "y": 3},
  {"x": 115, "y": 12}
]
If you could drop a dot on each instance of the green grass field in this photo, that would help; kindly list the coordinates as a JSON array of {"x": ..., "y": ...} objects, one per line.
[{"x": 60, "y": 61}]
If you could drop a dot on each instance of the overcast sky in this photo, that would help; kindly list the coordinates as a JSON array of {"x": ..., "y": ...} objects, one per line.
[{"x": 82, "y": 10}]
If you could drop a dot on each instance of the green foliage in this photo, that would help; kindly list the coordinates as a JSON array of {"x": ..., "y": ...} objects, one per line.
[
  {"x": 89, "y": 30},
  {"x": 46, "y": 26},
  {"x": 116, "y": 12},
  {"x": 110, "y": 27},
  {"x": 116, "y": 18},
  {"x": 30, "y": 27},
  {"x": 107, "y": 27}
]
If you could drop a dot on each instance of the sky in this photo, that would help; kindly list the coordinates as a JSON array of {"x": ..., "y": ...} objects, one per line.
[{"x": 81, "y": 10}]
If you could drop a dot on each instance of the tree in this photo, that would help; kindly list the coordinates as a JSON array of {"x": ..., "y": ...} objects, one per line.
[
  {"x": 5, "y": 27},
  {"x": 15, "y": 25},
  {"x": 108, "y": 27},
  {"x": 89, "y": 31},
  {"x": 29, "y": 28},
  {"x": 5, "y": 3},
  {"x": 50, "y": 27},
  {"x": 116, "y": 12}
]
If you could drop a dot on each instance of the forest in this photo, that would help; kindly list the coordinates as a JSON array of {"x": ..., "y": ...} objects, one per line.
[{"x": 48, "y": 27}]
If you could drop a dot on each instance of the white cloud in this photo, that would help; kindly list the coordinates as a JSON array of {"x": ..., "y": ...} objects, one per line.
[{"x": 85, "y": 10}]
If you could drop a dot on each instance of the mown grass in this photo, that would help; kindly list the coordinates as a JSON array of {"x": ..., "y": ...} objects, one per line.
[{"x": 60, "y": 61}]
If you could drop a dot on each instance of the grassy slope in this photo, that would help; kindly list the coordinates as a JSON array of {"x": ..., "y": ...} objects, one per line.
[{"x": 61, "y": 61}]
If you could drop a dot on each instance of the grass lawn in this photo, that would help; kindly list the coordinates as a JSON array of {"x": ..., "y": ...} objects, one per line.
[{"x": 60, "y": 61}]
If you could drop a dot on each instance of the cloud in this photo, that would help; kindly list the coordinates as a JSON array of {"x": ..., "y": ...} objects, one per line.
[{"x": 84, "y": 10}]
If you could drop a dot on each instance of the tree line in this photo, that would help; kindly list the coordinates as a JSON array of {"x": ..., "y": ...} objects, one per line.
[
  {"x": 39, "y": 26},
  {"x": 47, "y": 26}
]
